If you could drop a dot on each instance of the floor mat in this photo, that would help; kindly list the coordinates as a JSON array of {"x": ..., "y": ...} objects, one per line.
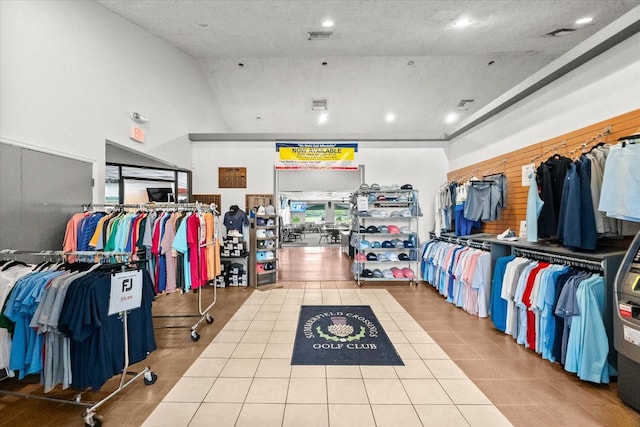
[{"x": 341, "y": 335}]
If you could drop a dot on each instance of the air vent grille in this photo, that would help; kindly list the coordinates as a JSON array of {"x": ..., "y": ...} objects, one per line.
[
  {"x": 465, "y": 104},
  {"x": 319, "y": 35},
  {"x": 319, "y": 104}
]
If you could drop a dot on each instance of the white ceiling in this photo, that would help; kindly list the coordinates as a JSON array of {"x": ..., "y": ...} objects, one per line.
[{"x": 367, "y": 73}]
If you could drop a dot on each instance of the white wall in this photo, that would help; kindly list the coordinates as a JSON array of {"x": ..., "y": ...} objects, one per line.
[
  {"x": 607, "y": 86},
  {"x": 417, "y": 164},
  {"x": 71, "y": 72}
]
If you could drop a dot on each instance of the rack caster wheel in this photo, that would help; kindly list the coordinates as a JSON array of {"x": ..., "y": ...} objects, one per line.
[
  {"x": 195, "y": 336},
  {"x": 150, "y": 378},
  {"x": 95, "y": 421},
  {"x": 208, "y": 319}
]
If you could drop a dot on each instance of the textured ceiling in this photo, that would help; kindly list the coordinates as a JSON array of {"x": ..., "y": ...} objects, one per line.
[{"x": 366, "y": 75}]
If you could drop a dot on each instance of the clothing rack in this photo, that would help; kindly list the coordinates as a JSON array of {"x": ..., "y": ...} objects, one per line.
[
  {"x": 553, "y": 149},
  {"x": 89, "y": 415},
  {"x": 492, "y": 171},
  {"x": 597, "y": 266},
  {"x": 485, "y": 246},
  {"x": 597, "y": 138}
]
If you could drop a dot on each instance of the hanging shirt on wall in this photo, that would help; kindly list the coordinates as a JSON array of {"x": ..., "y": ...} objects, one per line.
[{"x": 235, "y": 220}]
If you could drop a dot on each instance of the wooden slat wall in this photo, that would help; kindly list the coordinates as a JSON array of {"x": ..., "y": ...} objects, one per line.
[{"x": 511, "y": 163}]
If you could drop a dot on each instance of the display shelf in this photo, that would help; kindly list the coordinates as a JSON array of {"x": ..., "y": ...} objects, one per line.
[{"x": 260, "y": 225}]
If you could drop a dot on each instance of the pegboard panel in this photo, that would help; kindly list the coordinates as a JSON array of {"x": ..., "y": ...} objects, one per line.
[
  {"x": 571, "y": 144},
  {"x": 207, "y": 199},
  {"x": 232, "y": 177}
]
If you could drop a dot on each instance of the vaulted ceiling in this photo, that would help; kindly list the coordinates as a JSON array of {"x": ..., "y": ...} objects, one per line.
[{"x": 409, "y": 58}]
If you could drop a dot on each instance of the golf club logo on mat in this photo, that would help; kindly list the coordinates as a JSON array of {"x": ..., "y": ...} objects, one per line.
[{"x": 341, "y": 335}]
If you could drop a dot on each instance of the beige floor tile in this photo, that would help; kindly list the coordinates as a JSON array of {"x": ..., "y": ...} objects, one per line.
[
  {"x": 351, "y": 416},
  {"x": 274, "y": 368},
  {"x": 430, "y": 351},
  {"x": 464, "y": 392},
  {"x": 270, "y": 307},
  {"x": 445, "y": 369},
  {"x": 189, "y": 389},
  {"x": 266, "y": 315},
  {"x": 229, "y": 390},
  {"x": 483, "y": 416},
  {"x": 347, "y": 391},
  {"x": 240, "y": 368},
  {"x": 228, "y": 336},
  {"x": 222, "y": 350},
  {"x": 256, "y": 337},
  {"x": 395, "y": 415},
  {"x": 385, "y": 391},
  {"x": 245, "y": 314},
  {"x": 278, "y": 351},
  {"x": 390, "y": 325},
  {"x": 171, "y": 414},
  {"x": 297, "y": 415},
  {"x": 413, "y": 368},
  {"x": 378, "y": 371},
  {"x": 307, "y": 390},
  {"x": 308, "y": 371},
  {"x": 282, "y": 337},
  {"x": 268, "y": 390},
  {"x": 237, "y": 325},
  {"x": 291, "y": 316},
  {"x": 261, "y": 325},
  {"x": 425, "y": 392},
  {"x": 261, "y": 414},
  {"x": 290, "y": 307},
  {"x": 248, "y": 351},
  {"x": 206, "y": 367},
  {"x": 396, "y": 337},
  {"x": 401, "y": 316},
  {"x": 285, "y": 325},
  {"x": 224, "y": 414},
  {"x": 418, "y": 337},
  {"x": 406, "y": 351},
  {"x": 440, "y": 415},
  {"x": 343, "y": 371},
  {"x": 409, "y": 325}
]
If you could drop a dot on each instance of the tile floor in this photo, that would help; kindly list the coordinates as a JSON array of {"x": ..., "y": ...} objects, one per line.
[{"x": 244, "y": 377}]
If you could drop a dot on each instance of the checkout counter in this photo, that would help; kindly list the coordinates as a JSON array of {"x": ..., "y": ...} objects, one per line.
[{"x": 627, "y": 325}]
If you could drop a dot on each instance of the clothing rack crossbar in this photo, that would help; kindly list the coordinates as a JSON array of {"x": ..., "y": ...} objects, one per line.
[
  {"x": 560, "y": 259},
  {"x": 461, "y": 241}
]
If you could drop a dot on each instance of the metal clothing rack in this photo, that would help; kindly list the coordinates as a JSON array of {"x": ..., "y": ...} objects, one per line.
[
  {"x": 596, "y": 266},
  {"x": 89, "y": 415},
  {"x": 485, "y": 246}
]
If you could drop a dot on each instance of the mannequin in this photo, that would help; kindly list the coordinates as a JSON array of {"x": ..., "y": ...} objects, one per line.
[{"x": 235, "y": 219}]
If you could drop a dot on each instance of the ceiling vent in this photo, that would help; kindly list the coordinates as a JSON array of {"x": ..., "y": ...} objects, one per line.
[
  {"x": 319, "y": 35},
  {"x": 560, "y": 32},
  {"x": 319, "y": 104},
  {"x": 464, "y": 104}
]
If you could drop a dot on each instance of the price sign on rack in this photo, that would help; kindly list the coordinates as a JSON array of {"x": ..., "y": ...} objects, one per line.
[{"x": 126, "y": 291}]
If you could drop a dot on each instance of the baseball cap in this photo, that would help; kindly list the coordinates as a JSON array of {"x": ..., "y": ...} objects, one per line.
[
  {"x": 408, "y": 273},
  {"x": 407, "y": 187},
  {"x": 407, "y": 243},
  {"x": 270, "y": 233},
  {"x": 395, "y": 214},
  {"x": 261, "y": 222},
  {"x": 364, "y": 187},
  {"x": 364, "y": 244},
  {"x": 375, "y": 186},
  {"x": 371, "y": 257},
  {"x": 383, "y": 257},
  {"x": 372, "y": 197},
  {"x": 261, "y": 244},
  {"x": 261, "y": 256},
  {"x": 269, "y": 244},
  {"x": 397, "y": 243},
  {"x": 405, "y": 213},
  {"x": 383, "y": 229},
  {"x": 261, "y": 233},
  {"x": 387, "y": 274},
  {"x": 260, "y": 267},
  {"x": 261, "y": 210},
  {"x": 393, "y": 257},
  {"x": 381, "y": 197},
  {"x": 270, "y": 255},
  {"x": 372, "y": 229},
  {"x": 397, "y": 273},
  {"x": 269, "y": 266},
  {"x": 403, "y": 257},
  {"x": 376, "y": 245},
  {"x": 367, "y": 273},
  {"x": 269, "y": 210},
  {"x": 394, "y": 229},
  {"x": 360, "y": 257},
  {"x": 405, "y": 230},
  {"x": 270, "y": 222},
  {"x": 387, "y": 244},
  {"x": 377, "y": 273}
]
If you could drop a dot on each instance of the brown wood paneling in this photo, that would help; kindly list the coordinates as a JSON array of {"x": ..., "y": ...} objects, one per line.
[
  {"x": 232, "y": 177},
  {"x": 207, "y": 199},
  {"x": 571, "y": 144}
]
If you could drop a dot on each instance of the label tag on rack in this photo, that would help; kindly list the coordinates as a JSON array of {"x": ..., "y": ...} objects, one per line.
[{"x": 126, "y": 291}]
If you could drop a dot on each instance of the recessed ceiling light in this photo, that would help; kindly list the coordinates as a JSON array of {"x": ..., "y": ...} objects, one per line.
[
  {"x": 462, "y": 23},
  {"x": 327, "y": 23},
  {"x": 322, "y": 118},
  {"x": 258, "y": 118},
  {"x": 491, "y": 62},
  {"x": 324, "y": 63},
  {"x": 585, "y": 20},
  {"x": 390, "y": 117},
  {"x": 451, "y": 118},
  {"x": 203, "y": 25},
  {"x": 240, "y": 64},
  {"x": 411, "y": 62}
]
